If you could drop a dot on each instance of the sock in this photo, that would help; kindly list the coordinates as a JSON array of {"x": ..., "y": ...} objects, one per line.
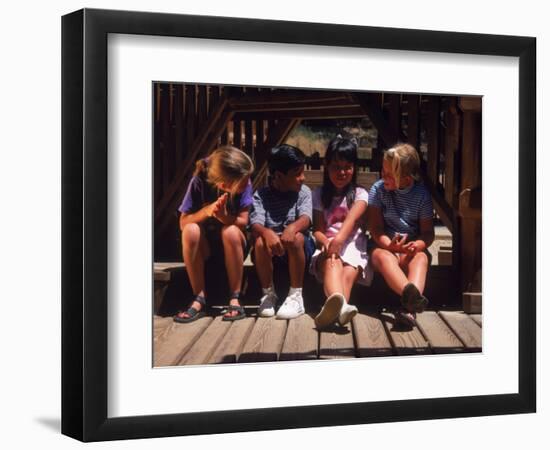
[
  {"x": 295, "y": 291},
  {"x": 269, "y": 290}
]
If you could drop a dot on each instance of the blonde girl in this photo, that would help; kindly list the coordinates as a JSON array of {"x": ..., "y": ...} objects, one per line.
[
  {"x": 342, "y": 256},
  {"x": 214, "y": 213},
  {"x": 400, "y": 221}
]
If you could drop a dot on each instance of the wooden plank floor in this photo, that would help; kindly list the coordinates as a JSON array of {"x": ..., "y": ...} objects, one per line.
[{"x": 213, "y": 341}]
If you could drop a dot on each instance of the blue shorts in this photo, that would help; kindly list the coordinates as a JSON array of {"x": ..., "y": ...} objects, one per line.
[{"x": 309, "y": 249}]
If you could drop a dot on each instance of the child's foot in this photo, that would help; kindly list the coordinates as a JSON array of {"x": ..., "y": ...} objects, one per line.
[
  {"x": 194, "y": 312},
  {"x": 267, "y": 304},
  {"x": 346, "y": 313},
  {"x": 235, "y": 310},
  {"x": 412, "y": 299},
  {"x": 292, "y": 307},
  {"x": 330, "y": 310}
]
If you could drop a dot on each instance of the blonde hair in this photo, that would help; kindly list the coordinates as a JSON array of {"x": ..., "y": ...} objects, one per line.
[
  {"x": 404, "y": 161},
  {"x": 227, "y": 165}
]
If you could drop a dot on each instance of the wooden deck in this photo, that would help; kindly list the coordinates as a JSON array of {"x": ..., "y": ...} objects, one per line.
[{"x": 210, "y": 340}]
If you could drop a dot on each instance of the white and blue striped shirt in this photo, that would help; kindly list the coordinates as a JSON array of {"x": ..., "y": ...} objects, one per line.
[{"x": 402, "y": 209}]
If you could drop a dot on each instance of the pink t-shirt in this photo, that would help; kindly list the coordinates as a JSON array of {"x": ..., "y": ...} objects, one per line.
[{"x": 337, "y": 212}]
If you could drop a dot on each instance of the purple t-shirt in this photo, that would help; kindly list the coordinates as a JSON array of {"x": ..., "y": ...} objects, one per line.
[{"x": 200, "y": 193}]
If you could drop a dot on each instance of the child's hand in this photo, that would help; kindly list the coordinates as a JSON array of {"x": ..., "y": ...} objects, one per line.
[
  {"x": 220, "y": 212},
  {"x": 334, "y": 247},
  {"x": 413, "y": 247},
  {"x": 397, "y": 244},
  {"x": 288, "y": 236},
  {"x": 212, "y": 209},
  {"x": 273, "y": 243}
]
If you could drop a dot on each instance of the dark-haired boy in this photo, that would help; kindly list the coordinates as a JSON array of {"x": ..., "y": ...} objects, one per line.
[{"x": 280, "y": 219}]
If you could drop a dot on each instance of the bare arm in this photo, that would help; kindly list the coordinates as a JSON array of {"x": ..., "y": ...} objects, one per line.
[
  {"x": 354, "y": 215},
  {"x": 425, "y": 239},
  {"x": 197, "y": 217},
  {"x": 319, "y": 227}
]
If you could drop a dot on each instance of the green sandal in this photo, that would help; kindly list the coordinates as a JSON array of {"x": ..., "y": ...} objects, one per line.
[
  {"x": 240, "y": 310},
  {"x": 192, "y": 313}
]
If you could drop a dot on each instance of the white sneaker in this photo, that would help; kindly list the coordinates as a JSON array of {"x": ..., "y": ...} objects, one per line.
[
  {"x": 330, "y": 310},
  {"x": 292, "y": 307},
  {"x": 267, "y": 305},
  {"x": 346, "y": 313}
]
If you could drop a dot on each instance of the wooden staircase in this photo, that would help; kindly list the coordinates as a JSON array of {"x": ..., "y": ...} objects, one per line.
[{"x": 192, "y": 119}]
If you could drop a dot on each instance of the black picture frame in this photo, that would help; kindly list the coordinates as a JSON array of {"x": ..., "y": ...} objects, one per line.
[{"x": 84, "y": 224}]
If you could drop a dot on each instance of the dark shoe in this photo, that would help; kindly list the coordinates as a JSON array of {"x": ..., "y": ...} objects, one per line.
[
  {"x": 412, "y": 299},
  {"x": 405, "y": 318}
]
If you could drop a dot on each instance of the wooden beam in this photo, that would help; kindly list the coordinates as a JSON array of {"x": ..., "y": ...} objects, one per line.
[
  {"x": 319, "y": 113},
  {"x": 469, "y": 204},
  {"x": 237, "y": 133},
  {"x": 472, "y": 104},
  {"x": 394, "y": 112},
  {"x": 432, "y": 138},
  {"x": 179, "y": 122},
  {"x": 452, "y": 152},
  {"x": 277, "y": 96},
  {"x": 277, "y": 134},
  {"x": 206, "y": 138},
  {"x": 413, "y": 120},
  {"x": 372, "y": 109},
  {"x": 443, "y": 209},
  {"x": 248, "y": 146},
  {"x": 190, "y": 122},
  {"x": 296, "y": 105}
]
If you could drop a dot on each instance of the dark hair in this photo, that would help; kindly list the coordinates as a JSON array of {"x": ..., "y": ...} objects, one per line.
[
  {"x": 345, "y": 150},
  {"x": 283, "y": 158}
]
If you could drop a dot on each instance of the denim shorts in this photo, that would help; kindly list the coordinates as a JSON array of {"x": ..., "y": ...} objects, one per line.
[{"x": 309, "y": 249}]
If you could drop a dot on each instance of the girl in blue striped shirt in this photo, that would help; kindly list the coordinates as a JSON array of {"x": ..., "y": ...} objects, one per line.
[{"x": 400, "y": 221}]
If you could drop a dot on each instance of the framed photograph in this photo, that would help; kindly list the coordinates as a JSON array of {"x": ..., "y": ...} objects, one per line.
[{"x": 173, "y": 324}]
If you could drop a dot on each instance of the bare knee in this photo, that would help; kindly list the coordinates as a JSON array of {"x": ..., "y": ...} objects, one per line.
[
  {"x": 382, "y": 258},
  {"x": 191, "y": 234},
  {"x": 232, "y": 235},
  {"x": 332, "y": 264},
  {"x": 420, "y": 260},
  {"x": 297, "y": 245}
]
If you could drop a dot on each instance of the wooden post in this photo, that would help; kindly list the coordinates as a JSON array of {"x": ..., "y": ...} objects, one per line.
[
  {"x": 166, "y": 148},
  {"x": 202, "y": 104},
  {"x": 452, "y": 152},
  {"x": 157, "y": 163},
  {"x": 432, "y": 136},
  {"x": 248, "y": 147},
  {"x": 237, "y": 134},
  {"x": 470, "y": 179},
  {"x": 394, "y": 112},
  {"x": 413, "y": 124},
  {"x": 190, "y": 122},
  {"x": 179, "y": 123}
]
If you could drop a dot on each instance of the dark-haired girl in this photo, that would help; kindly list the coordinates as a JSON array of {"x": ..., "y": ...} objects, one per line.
[{"x": 342, "y": 257}]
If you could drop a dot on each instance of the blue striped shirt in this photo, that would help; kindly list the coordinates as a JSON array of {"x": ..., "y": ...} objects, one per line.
[
  {"x": 275, "y": 209},
  {"x": 402, "y": 209}
]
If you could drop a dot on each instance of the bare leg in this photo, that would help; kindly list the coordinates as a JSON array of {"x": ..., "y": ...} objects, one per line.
[
  {"x": 349, "y": 275},
  {"x": 195, "y": 252},
  {"x": 296, "y": 261},
  {"x": 263, "y": 263},
  {"x": 332, "y": 275},
  {"x": 387, "y": 264},
  {"x": 233, "y": 242},
  {"x": 416, "y": 269}
]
